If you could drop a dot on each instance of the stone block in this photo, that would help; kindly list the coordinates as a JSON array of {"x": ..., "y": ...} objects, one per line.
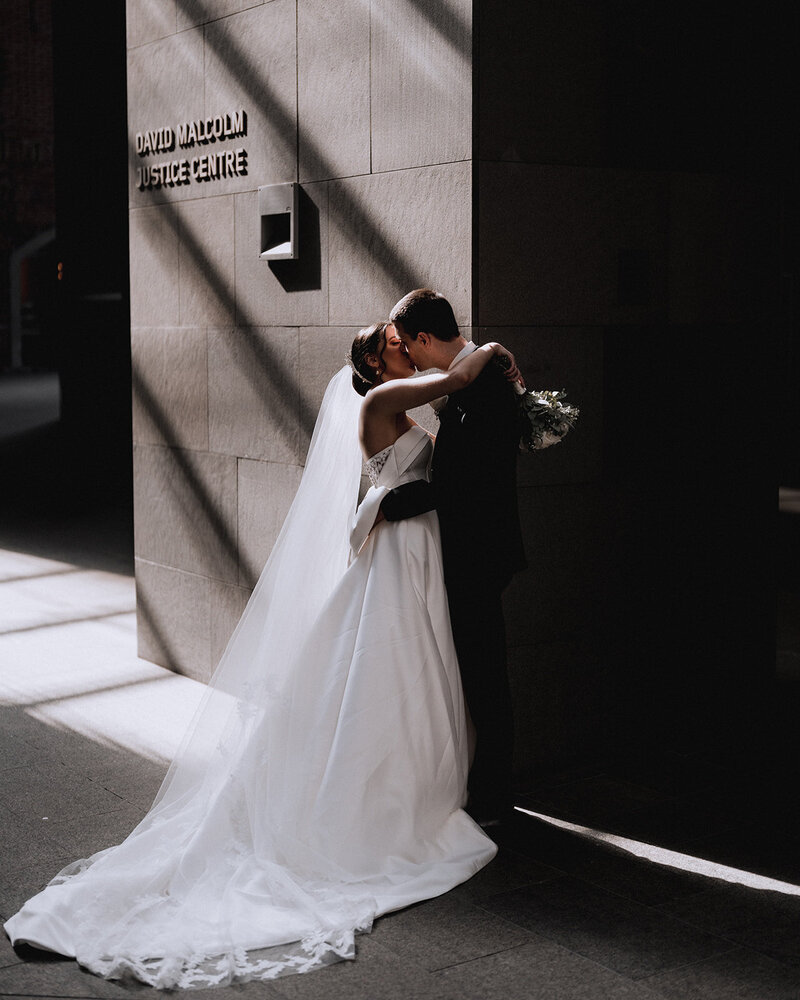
[
  {"x": 170, "y": 386},
  {"x": 185, "y": 510},
  {"x": 227, "y": 605},
  {"x": 55, "y": 791},
  {"x": 396, "y": 231},
  {"x": 717, "y": 249},
  {"x": 194, "y": 12},
  {"x": 251, "y": 65},
  {"x": 283, "y": 292},
  {"x": 446, "y": 931},
  {"x": 543, "y": 83},
  {"x": 562, "y": 709},
  {"x": 570, "y": 246},
  {"x": 252, "y": 393},
  {"x": 154, "y": 266},
  {"x": 173, "y": 610},
  {"x": 205, "y": 262},
  {"x": 322, "y": 354},
  {"x": 333, "y": 74},
  {"x": 80, "y": 839},
  {"x": 741, "y": 972},
  {"x": 148, "y": 20},
  {"x": 165, "y": 87},
  {"x": 56, "y": 977},
  {"x": 540, "y": 968},
  {"x": 266, "y": 491},
  {"x": 569, "y": 358},
  {"x": 560, "y": 593},
  {"x": 421, "y": 83}
]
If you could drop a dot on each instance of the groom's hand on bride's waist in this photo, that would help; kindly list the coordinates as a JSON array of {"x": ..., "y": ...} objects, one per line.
[{"x": 409, "y": 500}]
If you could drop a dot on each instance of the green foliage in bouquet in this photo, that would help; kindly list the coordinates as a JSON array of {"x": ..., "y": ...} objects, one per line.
[{"x": 544, "y": 419}]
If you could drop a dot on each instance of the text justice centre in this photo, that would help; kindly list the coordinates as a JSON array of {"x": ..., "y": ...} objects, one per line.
[{"x": 203, "y": 167}]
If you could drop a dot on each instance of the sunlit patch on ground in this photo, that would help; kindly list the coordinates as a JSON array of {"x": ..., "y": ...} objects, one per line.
[
  {"x": 68, "y": 658},
  {"x": 672, "y": 859}
]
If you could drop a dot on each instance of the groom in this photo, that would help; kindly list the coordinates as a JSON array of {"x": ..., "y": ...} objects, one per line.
[{"x": 474, "y": 490}]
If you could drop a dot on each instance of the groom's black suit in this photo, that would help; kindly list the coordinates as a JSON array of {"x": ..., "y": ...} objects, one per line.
[{"x": 474, "y": 486}]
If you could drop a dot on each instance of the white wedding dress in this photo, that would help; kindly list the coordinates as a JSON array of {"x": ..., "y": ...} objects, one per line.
[{"x": 323, "y": 781}]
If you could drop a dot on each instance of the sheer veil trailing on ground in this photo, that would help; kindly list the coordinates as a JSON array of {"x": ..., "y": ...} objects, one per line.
[{"x": 247, "y": 867}]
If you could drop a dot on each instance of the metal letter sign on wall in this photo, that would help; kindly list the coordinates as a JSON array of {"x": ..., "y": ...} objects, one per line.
[{"x": 206, "y": 166}]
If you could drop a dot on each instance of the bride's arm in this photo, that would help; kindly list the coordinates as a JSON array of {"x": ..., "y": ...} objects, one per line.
[{"x": 404, "y": 394}]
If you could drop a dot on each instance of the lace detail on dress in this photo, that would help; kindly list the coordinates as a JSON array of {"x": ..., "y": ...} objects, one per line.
[{"x": 376, "y": 463}]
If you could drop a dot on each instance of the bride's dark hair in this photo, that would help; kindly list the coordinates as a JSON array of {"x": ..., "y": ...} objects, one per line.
[{"x": 369, "y": 341}]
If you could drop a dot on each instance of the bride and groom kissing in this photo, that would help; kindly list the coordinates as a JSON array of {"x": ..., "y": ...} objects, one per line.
[
  {"x": 474, "y": 490},
  {"x": 323, "y": 780}
]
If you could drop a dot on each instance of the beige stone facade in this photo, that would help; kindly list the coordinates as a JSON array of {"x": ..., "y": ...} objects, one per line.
[{"x": 231, "y": 354}]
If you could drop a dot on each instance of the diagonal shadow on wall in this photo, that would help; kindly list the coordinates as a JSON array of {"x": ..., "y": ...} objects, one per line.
[
  {"x": 214, "y": 522},
  {"x": 161, "y": 636},
  {"x": 445, "y": 20},
  {"x": 268, "y": 374}
]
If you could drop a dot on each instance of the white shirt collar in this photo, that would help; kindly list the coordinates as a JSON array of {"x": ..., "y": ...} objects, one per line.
[{"x": 467, "y": 349}]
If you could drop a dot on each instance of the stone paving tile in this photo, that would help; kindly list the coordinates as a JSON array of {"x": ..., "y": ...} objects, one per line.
[
  {"x": 540, "y": 970},
  {"x": 55, "y": 977},
  {"x": 24, "y": 842},
  {"x": 766, "y": 922},
  {"x": 670, "y": 773},
  {"x": 74, "y": 750},
  {"x": 17, "y": 752},
  {"x": 737, "y": 975},
  {"x": 542, "y": 842},
  {"x": 634, "y": 878},
  {"x": 131, "y": 777},
  {"x": 135, "y": 779},
  {"x": 66, "y": 597},
  {"x": 56, "y": 792},
  {"x": 631, "y": 939},
  {"x": 7, "y": 954},
  {"x": 17, "y": 726},
  {"x": 509, "y": 870},
  {"x": 80, "y": 839},
  {"x": 600, "y": 800},
  {"x": 19, "y": 884},
  {"x": 444, "y": 931},
  {"x": 378, "y": 973},
  {"x": 757, "y": 848},
  {"x": 661, "y": 820}
]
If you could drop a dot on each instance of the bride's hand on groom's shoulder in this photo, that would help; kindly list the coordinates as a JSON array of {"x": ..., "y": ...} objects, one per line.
[{"x": 508, "y": 362}]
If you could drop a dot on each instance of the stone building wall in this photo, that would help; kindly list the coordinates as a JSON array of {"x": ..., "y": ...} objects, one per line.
[
  {"x": 587, "y": 183},
  {"x": 625, "y": 250},
  {"x": 368, "y": 106}
]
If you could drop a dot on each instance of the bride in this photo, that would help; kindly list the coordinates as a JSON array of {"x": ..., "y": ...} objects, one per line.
[{"x": 322, "y": 780}]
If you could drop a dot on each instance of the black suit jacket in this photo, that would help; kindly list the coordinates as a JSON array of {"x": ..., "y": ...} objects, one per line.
[{"x": 474, "y": 474}]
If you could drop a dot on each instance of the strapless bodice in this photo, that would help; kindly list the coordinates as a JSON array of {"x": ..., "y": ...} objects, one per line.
[{"x": 406, "y": 460}]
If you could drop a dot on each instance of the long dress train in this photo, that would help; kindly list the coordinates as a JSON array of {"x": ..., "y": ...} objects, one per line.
[{"x": 311, "y": 796}]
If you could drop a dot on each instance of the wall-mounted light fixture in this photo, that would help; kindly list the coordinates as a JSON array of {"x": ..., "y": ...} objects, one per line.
[{"x": 277, "y": 206}]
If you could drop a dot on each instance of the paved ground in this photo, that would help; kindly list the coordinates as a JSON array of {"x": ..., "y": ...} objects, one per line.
[{"x": 86, "y": 729}]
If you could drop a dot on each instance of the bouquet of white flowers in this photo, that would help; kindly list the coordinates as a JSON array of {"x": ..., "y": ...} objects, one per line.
[{"x": 544, "y": 419}]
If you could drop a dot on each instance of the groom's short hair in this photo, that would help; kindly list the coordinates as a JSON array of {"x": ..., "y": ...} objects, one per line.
[{"x": 424, "y": 310}]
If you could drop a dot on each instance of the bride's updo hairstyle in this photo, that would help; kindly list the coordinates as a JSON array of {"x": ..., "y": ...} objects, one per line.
[{"x": 369, "y": 342}]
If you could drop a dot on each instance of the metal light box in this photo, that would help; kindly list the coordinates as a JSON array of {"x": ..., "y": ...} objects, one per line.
[{"x": 277, "y": 206}]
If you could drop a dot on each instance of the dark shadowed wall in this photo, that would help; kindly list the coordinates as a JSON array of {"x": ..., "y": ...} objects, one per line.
[{"x": 631, "y": 182}]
